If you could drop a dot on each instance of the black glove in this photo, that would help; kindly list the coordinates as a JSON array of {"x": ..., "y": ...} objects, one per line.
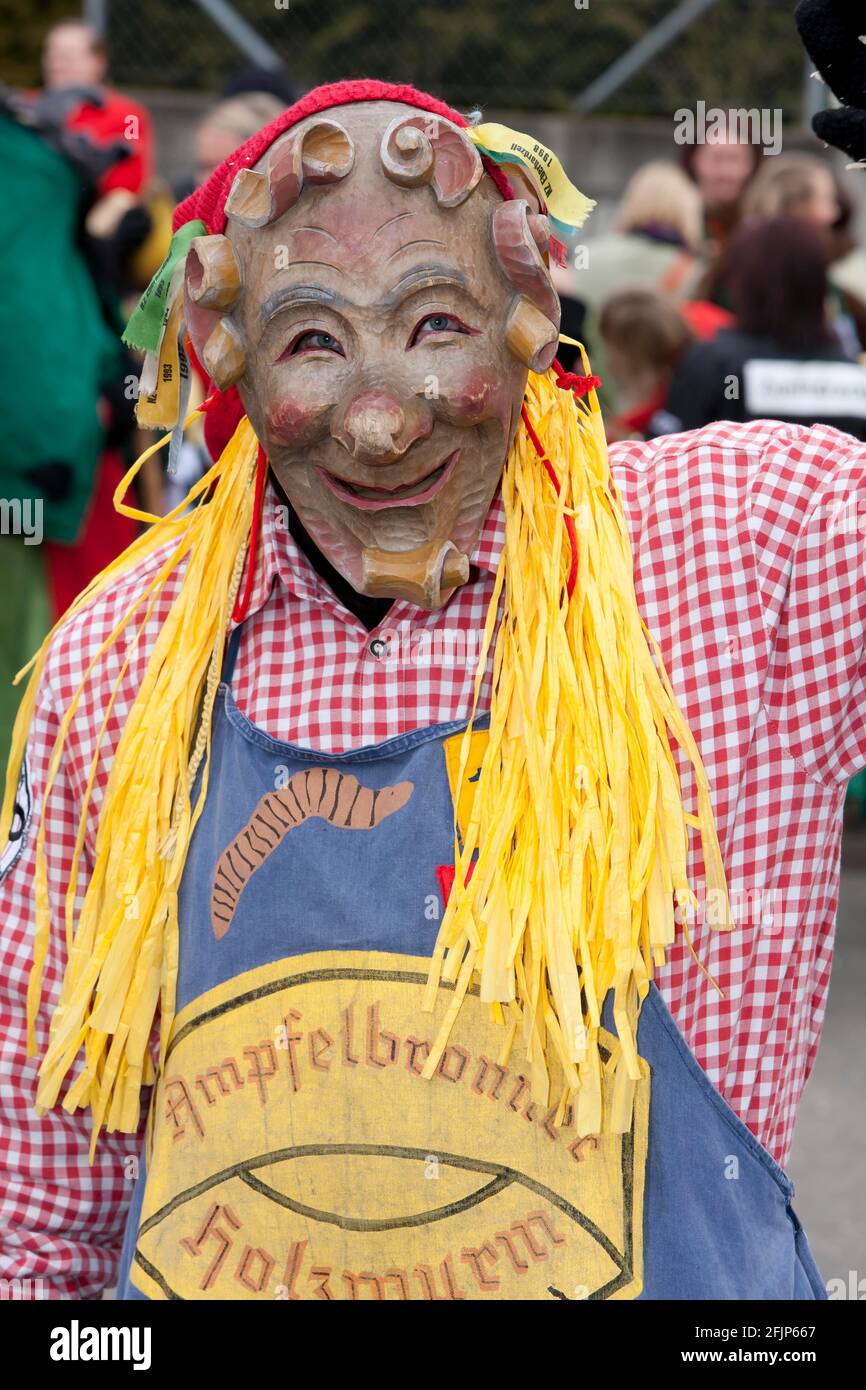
[
  {"x": 834, "y": 31},
  {"x": 109, "y": 256}
]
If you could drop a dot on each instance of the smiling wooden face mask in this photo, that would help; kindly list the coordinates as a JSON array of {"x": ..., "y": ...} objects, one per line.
[{"x": 378, "y": 305}]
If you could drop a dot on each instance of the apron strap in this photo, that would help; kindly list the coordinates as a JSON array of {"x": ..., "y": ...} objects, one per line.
[{"x": 231, "y": 655}]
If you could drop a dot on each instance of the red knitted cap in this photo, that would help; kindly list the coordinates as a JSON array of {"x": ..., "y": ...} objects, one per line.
[{"x": 224, "y": 410}]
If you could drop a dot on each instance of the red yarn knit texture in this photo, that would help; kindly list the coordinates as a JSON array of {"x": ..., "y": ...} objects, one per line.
[{"x": 224, "y": 410}]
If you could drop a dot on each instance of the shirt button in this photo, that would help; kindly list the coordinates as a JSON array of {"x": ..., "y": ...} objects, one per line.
[{"x": 377, "y": 648}]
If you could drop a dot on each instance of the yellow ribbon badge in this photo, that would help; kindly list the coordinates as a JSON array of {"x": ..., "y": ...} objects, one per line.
[{"x": 567, "y": 207}]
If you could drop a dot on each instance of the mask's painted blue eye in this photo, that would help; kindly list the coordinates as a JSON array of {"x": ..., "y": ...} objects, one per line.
[
  {"x": 438, "y": 323},
  {"x": 316, "y": 341}
]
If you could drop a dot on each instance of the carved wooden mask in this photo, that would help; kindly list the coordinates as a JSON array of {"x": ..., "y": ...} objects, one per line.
[{"x": 378, "y": 305}]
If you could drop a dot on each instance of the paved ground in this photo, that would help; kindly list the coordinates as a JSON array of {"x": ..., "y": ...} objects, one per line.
[{"x": 828, "y": 1158}]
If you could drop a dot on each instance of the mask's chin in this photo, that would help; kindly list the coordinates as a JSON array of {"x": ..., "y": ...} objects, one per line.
[
  {"x": 411, "y": 557},
  {"x": 426, "y": 576},
  {"x": 383, "y": 566}
]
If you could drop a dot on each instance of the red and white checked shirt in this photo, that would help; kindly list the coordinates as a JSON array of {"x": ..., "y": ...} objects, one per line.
[{"x": 749, "y": 555}]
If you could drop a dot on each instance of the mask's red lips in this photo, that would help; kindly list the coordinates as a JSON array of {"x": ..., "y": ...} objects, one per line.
[{"x": 376, "y": 499}]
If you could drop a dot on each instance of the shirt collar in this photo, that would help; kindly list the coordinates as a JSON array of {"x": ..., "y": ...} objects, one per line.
[{"x": 280, "y": 557}]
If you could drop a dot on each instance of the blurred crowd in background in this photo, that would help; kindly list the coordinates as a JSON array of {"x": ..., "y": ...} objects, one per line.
[
  {"x": 727, "y": 259},
  {"x": 730, "y": 287}
]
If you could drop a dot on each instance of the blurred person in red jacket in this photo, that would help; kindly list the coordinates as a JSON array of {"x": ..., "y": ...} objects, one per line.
[{"x": 74, "y": 60}]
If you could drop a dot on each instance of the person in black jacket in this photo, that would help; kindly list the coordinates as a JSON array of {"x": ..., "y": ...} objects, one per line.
[{"x": 781, "y": 360}]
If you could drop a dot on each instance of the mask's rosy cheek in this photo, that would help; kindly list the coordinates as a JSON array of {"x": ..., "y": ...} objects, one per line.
[
  {"x": 294, "y": 420},
  {"x": 478, "y": 395}
]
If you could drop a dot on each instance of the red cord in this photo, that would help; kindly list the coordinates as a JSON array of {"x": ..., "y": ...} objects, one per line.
[
  {"x": 242, "y": 603},
  {"x": 571, "y": 381},
  {"x": 569, "y": 521}
]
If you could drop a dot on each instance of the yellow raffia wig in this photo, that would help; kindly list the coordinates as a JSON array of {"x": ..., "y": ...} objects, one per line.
[{"x": 578, "y": 822}]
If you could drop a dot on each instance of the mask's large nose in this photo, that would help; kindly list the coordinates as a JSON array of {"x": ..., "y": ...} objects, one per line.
[{"x": 377, "y": 427}]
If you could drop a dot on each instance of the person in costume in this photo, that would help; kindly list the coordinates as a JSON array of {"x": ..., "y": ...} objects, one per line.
[{"x": 360, "y": 976}]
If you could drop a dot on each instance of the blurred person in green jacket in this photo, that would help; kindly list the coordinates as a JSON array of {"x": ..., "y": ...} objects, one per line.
[{"x": 56, "y": 351}]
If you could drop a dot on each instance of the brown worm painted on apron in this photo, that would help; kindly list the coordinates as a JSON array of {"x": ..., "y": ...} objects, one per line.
[{"x": 321, "y": 792}]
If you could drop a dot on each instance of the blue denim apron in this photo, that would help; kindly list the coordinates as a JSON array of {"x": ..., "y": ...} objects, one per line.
[{"x": 294, "y": 1150}]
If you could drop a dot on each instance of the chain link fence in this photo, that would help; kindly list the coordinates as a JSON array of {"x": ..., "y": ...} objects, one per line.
[{"x": 538, "y": 54}]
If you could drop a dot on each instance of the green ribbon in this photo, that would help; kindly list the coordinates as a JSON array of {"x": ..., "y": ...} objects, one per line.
[{"x": 144, "y": 329}]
